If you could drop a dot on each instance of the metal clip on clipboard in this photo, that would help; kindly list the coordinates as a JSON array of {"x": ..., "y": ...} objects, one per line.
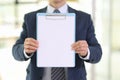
[{"x": 56, "y": 16}]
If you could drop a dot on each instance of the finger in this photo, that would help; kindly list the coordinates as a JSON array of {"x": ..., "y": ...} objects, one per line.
[
  {"x": 30, "y": 47},
  {"x": 81, "y": 52},
  {"x": 81, "y": 48},
  {"x": 32, "y": 42},
  {"x": 79, "y": 44},
  {"x": 29, "y": 51},
  {"x": 75, "y": 45}
]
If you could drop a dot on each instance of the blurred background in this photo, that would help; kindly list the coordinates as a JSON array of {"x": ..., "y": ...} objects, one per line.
[{"x": 106, "y": 18}]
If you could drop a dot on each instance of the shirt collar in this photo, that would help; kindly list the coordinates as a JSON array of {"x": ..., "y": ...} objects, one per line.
[{"x": 63, "y": 9}]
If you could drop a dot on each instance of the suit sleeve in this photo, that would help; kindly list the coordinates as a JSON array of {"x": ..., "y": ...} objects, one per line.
[
  {"x": 94, "y": 46},
  {"x": 18, "y": 47}
]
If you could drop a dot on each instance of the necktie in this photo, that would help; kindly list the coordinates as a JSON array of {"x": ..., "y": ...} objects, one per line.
[
  {"x": 57, "y": 73},
  {"x": 56, "y": 11}
]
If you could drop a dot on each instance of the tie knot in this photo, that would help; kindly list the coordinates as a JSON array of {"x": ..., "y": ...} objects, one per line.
[{"x": 56, "y": 11}]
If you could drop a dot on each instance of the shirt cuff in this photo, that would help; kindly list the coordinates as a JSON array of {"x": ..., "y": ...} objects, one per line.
[
  {"x": 87, "y": 57},
  {"x": 27, "y": 55}
]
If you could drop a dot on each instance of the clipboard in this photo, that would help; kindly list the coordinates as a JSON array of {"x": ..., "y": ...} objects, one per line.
[{"x": 55, "y": 33}]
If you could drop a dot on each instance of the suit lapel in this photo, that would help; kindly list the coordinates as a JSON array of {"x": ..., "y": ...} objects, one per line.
[
  {"x": 70, "y": 10},
  {"x": 42, "y": 10}
]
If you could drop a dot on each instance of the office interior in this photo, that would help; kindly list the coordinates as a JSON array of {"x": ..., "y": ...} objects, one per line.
[{"x": 105, "y": 15}]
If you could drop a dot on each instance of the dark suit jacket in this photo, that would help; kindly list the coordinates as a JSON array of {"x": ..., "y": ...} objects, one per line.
[{"x": 84, "y": 31}]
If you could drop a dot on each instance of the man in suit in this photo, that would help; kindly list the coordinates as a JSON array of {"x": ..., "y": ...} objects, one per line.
[{"x": 86, "y": 46}]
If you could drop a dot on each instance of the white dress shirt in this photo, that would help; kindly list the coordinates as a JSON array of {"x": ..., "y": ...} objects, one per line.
[{"x": 47, "y": 71}]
